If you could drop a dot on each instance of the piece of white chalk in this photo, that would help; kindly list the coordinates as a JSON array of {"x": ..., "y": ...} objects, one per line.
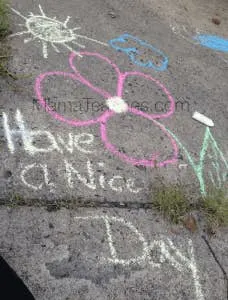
[{"x": 202, "y": 119}]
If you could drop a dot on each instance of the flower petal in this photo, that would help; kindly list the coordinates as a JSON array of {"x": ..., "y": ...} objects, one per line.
[
  {"x": 154, "y": 160},
  {"x": 51, "y": 111},
  {"x": 158, "y": 85},
  {"x": 85, "y": 80}
]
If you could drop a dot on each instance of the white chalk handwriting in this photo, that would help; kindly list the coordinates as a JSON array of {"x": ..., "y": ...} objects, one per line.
[
  {"x": 81, "y": 142},
  {"x": 168, "y": 251}
]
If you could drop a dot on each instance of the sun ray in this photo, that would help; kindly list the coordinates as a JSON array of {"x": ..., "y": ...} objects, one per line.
[
  {"x": 67, "y": 20},
  {"x": 54, "y": 46},
  {"x": 80, "y": 45},
  {"x": 29, "y": 40},
  {"x": 18, "y": 13},
  {"x": 45, "y": 52},
  {"x": 76, "y": 28},
  {"x": 19, "y": 33},
  {"x": 41, "y": 10},
  {"x": 72, "y": 50},
  {"x": 92, "y": 40}
]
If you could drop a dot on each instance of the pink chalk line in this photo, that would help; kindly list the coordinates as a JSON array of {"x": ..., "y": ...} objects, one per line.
[{"x": 109, "y": 113}]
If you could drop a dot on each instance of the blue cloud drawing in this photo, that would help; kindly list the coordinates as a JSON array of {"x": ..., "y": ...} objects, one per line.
[{"x": 132, "y": 52}]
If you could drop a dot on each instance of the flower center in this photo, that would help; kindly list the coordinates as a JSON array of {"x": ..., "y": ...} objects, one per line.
[{"x": 117, "y": 104}]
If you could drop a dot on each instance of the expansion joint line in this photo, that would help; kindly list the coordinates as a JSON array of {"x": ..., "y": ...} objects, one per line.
[{"x": 218, "y": 262}]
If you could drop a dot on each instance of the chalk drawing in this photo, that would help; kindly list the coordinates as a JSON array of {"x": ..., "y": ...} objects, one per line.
[
  {"x": 83, "y": 139},
  {"x": 49, "y": 30},
  {"x": 89, "y": 177},
  {"x": 211, "y": 149},
  {"x": 84, "y": 143},
  {"x": 116, "y": 105},
  {"x": 213, "y": 42},
  {"x": 131, "y": 186},
  {"x": 167, "y": 250},
  {"x": 101, "y": 177},
  {"x": 44, "y": 169},
  {"x": 117, "y": 183},
  {"x": 121, "y": 44},
  {"x": 115, "y": 187},
  {"x": 89, "y": 182},
  {"x": 223, "y": 59},
  {"x": 27, "y": 136},
  {"x": 70, "y": 145},
  {"x": 182, "y": 31},
  {"x": 81, "y": 142}
]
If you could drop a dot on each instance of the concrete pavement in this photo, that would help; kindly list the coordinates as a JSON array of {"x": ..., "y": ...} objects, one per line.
[{"x": 102, "y": 116}]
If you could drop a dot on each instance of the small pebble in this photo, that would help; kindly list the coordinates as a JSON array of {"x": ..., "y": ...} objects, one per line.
[{"x": 216, "y": 21}]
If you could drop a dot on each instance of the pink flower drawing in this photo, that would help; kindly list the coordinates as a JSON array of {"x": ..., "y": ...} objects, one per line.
[{"x": 115, "y": 105}]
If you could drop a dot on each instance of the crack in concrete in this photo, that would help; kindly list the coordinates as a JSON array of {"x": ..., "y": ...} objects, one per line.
[
  {"x": 218, "y": 263},
  {"x": 57, "y": 204}
]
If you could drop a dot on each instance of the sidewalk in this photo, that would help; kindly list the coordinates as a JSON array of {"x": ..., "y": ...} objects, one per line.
[{"x": 98, "y": 119}]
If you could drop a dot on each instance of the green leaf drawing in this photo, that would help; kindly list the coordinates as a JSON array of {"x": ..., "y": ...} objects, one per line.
[{"x": 217, "y": 166}]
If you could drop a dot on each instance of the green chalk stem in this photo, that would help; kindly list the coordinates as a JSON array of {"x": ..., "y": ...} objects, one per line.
[{"x": 199, "y": 167}]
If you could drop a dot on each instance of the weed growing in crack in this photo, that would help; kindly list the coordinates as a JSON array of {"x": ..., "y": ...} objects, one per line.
[
  {"x": 4, "y": 19},
  {"x": 4, "y": 47},
  {"x": 171, "y": 202},
  {"x": 215, "y": 208}
]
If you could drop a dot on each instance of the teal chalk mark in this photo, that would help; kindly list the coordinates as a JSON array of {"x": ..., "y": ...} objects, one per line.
[
  {"x": 216, "y": 166},
  {"x": 212, "y": 178},
  {"x": 120, "y": 44},
  {"x": 199, "y": 167},
  {"x": 213, "y": 42},
  {"x": 219, "y": 179}
]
